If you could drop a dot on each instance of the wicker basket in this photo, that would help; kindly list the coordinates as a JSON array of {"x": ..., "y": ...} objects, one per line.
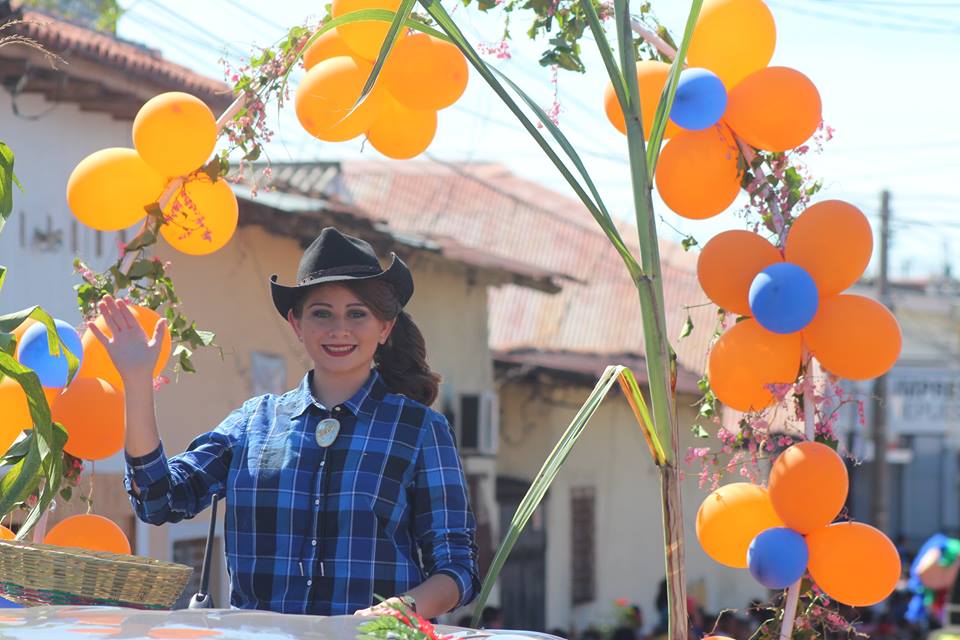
[{"x": 34, "y": 574}]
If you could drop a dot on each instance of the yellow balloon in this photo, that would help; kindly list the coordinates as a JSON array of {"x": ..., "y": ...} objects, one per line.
[
  {"x": 326, "y": 95},
  {"x": 201, "y": 217},
  {"x": 175, "y": 133},
  {"x": 364, "y": 37},
  {"x": 733, "y": 38},
  {"x": 327, "y": 45},
  {"x": 109, "y": 189},
  {"x": 402, "y": 133}
]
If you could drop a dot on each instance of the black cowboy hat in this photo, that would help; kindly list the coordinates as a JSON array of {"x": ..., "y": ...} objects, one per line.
[{"x": 335, "y": 257}]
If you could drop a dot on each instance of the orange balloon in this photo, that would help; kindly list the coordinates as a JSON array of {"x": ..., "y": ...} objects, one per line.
[
  {"x": 401, "y": 133},
  {"x": 733, "y": 38},
  {"x": 109, "y": 189},
  {"x": 790, "y": 123},
  {"x": 365, "y": 37},
  {"x": 425, "y": 73},
  {"x": 175, "y": 133},
  {"x": 730, "y": 518},
  {"x": 833, "y": 241},
  {"x": 92, "y": 412},
  {"x": 651, "y": 79},
  {"x": 205, "y": 219},
  {"x": 854, "y": 337},
  {"x": 327, "y": 94},
  {"x": 853, "y": 563},
  {"x": 327, "y": 45},
  {"x": 96, "y": 360},
  {"x": 89, "y": 531},
  {"x": 808, "y": 486},
  {"x": 698, "y": 175},
  {"x": 747, "y": 358},
  {"x": 729, "y": 263},
  {"x": 6, "y": 534},
  {"x": 15, "y": 411}
]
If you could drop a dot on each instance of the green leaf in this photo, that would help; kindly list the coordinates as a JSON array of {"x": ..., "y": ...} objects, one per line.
[
  {"x": 7, "y": 179},
  {"x": 393, "y": 34},
  {"x": 699, "y": 432},
  {"x": 596, "y": 208},
  {"x": 669, "y": 91},
  {"x": 20, "y": 480},
  {"x": 18, "y": 450},
  {"x": 689, "y": 242},
  {"x": 551, "y": 466},
  {"x": 687, "y": 327},
  {"x": 206, "y": 337},
  {"x": 11, "y": 321},
  {"x": 3, "y": 275}
]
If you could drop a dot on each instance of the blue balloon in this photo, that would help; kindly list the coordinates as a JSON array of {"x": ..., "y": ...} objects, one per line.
[
  {"x": 700, "y": 100},
  {"x": 783, "y": 298},
  {"x": 9, "y": 604},
  {"x": 777, "y": 557},
  {"x": 34, "y": 352}
]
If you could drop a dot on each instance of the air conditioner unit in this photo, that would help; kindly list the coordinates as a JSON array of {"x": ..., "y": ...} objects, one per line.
[{"x": 477, "y": 423}]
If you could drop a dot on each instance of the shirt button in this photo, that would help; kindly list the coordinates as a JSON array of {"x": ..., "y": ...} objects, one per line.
[
  {"x": 316, "y": 502},
  {"x": 309, "y": 582},
  {"x": 314, "y": 543}
]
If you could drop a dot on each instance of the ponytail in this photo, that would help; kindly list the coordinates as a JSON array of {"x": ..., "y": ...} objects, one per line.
[{"x": 402, "y": 361}]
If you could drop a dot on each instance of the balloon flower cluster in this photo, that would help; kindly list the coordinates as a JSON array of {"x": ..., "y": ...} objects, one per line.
[
  {"x": 793, "y": 300},
  {"x": 785, "y": 531},
  {"x": 421, "y": 75},
  {"x": 90, "y": 407},
  {"x": 726, "y": 92},
  {"x": 174, "y": 135}
]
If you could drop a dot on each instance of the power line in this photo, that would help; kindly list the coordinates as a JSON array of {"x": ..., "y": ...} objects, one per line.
[{"x": 873, "y": 24}]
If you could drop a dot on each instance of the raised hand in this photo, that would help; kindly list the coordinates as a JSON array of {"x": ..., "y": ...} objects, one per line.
[{"x": 132, "y": 353}]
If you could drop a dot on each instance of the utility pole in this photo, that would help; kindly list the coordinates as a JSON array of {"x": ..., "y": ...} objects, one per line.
[{"x": 881, "y": 490}]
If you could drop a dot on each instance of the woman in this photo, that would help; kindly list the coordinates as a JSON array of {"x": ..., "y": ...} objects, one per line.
[{"x": 343, "y": 490}]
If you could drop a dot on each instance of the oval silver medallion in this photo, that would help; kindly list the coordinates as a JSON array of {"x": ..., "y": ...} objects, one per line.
[{"x": 327, "y": 431}]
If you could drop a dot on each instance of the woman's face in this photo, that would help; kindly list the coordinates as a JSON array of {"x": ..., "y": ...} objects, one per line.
[{"x": 340, "y": 332}]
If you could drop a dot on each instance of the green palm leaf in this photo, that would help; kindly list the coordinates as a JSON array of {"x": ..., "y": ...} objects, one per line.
[{"x": 551, "y": 466}]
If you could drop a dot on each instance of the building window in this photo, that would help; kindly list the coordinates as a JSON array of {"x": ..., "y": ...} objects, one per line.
[
  {"x": 582, "y": 540},
  {"x": 268, "y": 373},
  {"x": 190, "y": 553}
]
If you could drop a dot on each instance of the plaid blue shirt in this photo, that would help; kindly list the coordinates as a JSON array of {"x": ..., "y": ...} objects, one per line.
[{"x": 320, "y": 531}]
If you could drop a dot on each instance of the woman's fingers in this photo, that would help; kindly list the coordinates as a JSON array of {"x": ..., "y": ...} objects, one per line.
[
  {"x": 125, "y": 317},
  {"x": 108, "y": 309},
  {"x": 99, "y": 335}
]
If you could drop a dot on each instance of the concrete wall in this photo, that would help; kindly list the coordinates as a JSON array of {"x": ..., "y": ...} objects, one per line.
[
  {"x": 612, "y": 457},
  {"x": 45, "y": 152}
]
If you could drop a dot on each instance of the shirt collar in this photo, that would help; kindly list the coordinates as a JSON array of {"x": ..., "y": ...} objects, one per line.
[{"x": 302, "y": 397}]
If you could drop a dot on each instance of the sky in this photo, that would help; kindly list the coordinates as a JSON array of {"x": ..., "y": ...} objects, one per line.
[{"x": 882, "y": 67}]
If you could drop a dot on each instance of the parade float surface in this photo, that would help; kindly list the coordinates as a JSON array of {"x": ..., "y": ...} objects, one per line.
[{"x": 63, "y": 622}]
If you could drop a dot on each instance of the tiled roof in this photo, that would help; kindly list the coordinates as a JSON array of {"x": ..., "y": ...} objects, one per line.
[
  {"x": 138, "y": 72},
  {"x": 488, "y": 207}
]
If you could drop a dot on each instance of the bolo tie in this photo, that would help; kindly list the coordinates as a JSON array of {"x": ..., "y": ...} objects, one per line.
[{"x": 327, "y": 431}]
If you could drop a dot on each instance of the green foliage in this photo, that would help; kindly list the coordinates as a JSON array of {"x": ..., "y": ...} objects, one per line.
[
  {"x": 106, "y": 12},
  {"x": 657, "y": 442},
  {"x": 7, "y": 180}
]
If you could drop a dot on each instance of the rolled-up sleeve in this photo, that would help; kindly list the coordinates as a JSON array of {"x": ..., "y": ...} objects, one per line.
[
  {"x": 180, "y": 487},
  {"x": 443, "y": 521}
]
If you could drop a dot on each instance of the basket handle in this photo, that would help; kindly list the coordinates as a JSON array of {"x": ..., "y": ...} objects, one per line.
[{"x": 202, "y": 599}]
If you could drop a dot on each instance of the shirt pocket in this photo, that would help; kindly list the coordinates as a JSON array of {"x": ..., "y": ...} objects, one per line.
[{"x": 380, "y": 481}]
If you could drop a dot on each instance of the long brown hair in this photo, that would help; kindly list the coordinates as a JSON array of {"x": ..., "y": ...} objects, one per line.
[{"x": 402, "y": 360}]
